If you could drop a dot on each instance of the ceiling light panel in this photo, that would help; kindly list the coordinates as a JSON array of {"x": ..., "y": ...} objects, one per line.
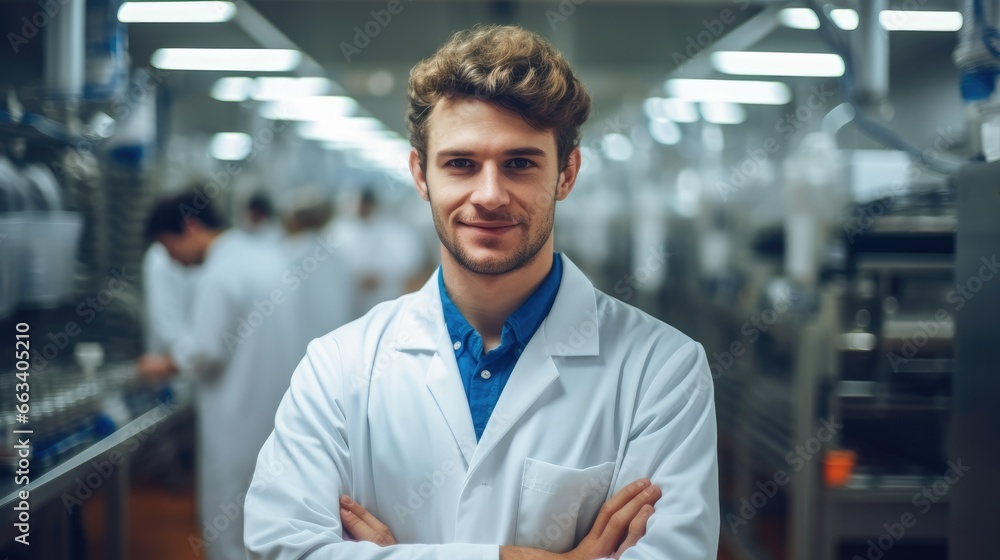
[
  {"x": 751, "y": 63},
  {"x": 176, "y": 12},
  {"x": 732, "y": 91},
  {"x": 227, "y": 60}
]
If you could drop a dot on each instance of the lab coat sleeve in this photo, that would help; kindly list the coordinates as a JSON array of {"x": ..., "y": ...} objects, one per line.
[
  {"x": 164, "y": 299},
  {"x": 208, "y": 344},
  {"x": 292, "y": 508},
  {"x": 673, "y": 441}
]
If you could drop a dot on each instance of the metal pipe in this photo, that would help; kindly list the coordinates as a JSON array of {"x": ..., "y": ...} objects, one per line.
[
  {"x": 65, "y": 46},
  {"x": 871, "y": 53}
]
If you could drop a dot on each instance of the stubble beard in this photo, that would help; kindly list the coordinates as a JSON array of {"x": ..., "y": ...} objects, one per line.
[{"x": 520, "y": 257}]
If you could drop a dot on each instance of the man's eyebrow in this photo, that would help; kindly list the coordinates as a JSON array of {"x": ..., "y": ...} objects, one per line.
[
  {"x": 454, "y": 153},
  {"x": 526, "y": 151}
]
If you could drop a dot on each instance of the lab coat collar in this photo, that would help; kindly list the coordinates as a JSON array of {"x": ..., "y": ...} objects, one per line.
[{"x": 570, "y": 329}]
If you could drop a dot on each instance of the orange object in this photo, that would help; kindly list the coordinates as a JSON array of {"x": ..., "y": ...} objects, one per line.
[{"x": 838, "y": 465}]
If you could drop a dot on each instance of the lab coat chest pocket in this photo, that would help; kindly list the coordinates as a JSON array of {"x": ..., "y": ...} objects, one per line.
[{"x": 558, "y": 505}]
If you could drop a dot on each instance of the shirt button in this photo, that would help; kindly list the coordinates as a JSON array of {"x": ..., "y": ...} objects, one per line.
[
  {"x": 486, "y": 374},
  {"x": 457, "y": 345}
]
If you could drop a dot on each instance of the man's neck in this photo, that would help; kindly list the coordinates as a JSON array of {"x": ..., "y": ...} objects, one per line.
[
  {"x": 487, "y": 300},
  {"x": 209, "y": 237}
]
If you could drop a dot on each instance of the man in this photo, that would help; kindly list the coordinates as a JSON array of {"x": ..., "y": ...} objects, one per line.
[
  {"x": 384, "y": 255},
  {"x": 490, "y": 414},
  {"x": 167, "y": 291},
  {"x": 240, "y": 348},
  {"x": 317, "y": 270},
  {"x": 260, "y": 219}
]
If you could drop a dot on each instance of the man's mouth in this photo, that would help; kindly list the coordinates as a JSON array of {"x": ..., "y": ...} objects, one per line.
[{"x": 491, "y": 228}]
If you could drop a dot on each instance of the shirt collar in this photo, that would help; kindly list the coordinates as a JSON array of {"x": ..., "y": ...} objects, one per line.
[{"x": 521, "y": 324}]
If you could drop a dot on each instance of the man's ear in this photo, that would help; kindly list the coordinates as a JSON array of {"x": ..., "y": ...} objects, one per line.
[
  {"x": 567, "y": 177},
  {"x": 419, "y": 179}
]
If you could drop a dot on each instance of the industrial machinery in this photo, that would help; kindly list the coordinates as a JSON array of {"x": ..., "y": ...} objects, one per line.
[{"x": 833, "y": 386}]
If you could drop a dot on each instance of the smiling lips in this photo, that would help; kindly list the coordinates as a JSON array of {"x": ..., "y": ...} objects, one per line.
[{"x": 491, "y": 228}]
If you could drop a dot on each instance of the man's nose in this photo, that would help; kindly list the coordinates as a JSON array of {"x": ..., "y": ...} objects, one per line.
[{"x": 490, "y": 192}]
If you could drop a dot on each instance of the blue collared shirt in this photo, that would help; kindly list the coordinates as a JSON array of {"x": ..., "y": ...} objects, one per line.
[{"x": 485, "y": 375}]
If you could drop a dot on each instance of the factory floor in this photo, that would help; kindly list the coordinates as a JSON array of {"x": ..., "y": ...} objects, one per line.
[{"x": 161, "y": 520}]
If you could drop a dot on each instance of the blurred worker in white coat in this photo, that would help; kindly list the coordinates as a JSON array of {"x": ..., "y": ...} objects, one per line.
[
  {"x": 316, "y": 274},
  {"x": 384, "y": 254},
  {"x": 167, "y": 290},
  {"x": 240, "y": 347},
  {"x": 508, "y": 409},
  {"x": 261, "y": 220}
]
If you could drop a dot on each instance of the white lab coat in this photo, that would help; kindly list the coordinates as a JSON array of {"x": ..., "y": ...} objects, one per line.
[
  {"x": 603, "y": 394},
  {"x": 380, "y": 247},
  {"x": 167, "y": 286},
  {"x": 240, "y": 348},
  {"x": 269, "y": 231},
  {"x": 319, "y": 283}
]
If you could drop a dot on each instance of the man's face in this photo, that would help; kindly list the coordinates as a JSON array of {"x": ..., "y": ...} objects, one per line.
[
  {"x": 492, "y": 181},
  {"x": 184, "y": 248}
]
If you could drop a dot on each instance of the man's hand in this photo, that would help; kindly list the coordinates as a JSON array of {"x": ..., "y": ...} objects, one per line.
[
  {"x": 620, "y": 524},
  {"x": 361, "y": 525},
  {"x": 155, "y": 369}
]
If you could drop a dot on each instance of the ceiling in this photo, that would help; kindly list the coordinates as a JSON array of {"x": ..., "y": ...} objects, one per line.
[{"x": 623, "y": 50}]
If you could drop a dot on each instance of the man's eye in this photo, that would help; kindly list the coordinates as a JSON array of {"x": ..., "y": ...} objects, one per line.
[
  {"x": 459, "y": 163},
  {"x": 520, "y": 163}
]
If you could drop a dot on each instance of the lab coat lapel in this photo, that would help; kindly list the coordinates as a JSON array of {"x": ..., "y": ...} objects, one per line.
[
  {"x": 570, "y": 329},
  {"x": 533, "y": 374},
  {"x": 445, "y": 384},
  {"x": 422, "y": 329}
]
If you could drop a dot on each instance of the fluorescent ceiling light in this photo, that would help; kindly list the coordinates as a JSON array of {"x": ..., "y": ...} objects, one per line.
[
  {"x": 390, "y": 154},
  {"x": 665, "y": 132},
  {"x": 846, "y": 19},
  {"x": 176, "y": 12},
  {"x": 798, "y": 18},
  {"x": 232, "y": 89},
  {"x": 652, "y": 109},
  {"x": 227, "y": 60},
  {"x": 351, "y": 129},
  {"x": 751, "y": 63},
  {"x": 891, "y": 20},
  {"x": 310, "y": 108},
  {"x": 677, "y": 110},
  {"x": 718, "y": 112},
  {"x": 268, "y": 88},
  {"x": 231, "y": 146},
  {"x": 273, "y": 89},
  {"x": 733, "y": 91},
  {"x": 902, "y": 20},
  {"x": 804, "y": 18}
]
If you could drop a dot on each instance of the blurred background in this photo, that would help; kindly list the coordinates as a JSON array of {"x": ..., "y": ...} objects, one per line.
[{"x": 808, "y": 189}]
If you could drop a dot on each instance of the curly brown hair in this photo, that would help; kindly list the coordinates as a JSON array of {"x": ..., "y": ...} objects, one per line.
[{"x": 507, "y": 65}]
